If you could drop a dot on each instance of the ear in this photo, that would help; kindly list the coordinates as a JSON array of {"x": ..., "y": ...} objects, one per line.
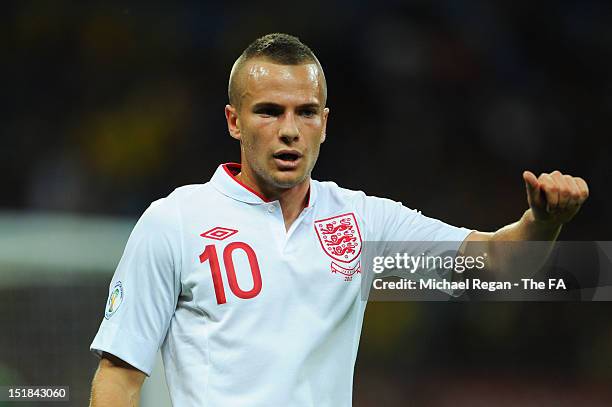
[
  {"x": 324, "y": 127},
  {"x": 233, "y": 123}
]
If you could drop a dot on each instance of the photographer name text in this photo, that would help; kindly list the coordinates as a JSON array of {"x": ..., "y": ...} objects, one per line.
[{"x": 468, "y": 284}]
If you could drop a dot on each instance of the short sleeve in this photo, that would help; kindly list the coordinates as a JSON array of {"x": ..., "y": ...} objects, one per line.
[
  {"x": 392, "y": 221},
  {"x": 144, "y": 290},
  {"x": 394, "y": 228}
]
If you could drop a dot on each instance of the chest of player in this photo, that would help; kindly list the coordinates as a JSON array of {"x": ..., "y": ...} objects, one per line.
[{"x": 243, "y": 258}]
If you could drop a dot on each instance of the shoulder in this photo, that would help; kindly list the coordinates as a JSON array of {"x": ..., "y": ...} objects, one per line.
[
  {"x": 185, "y": 193},
  {"x": 166, "y": 212},
  {"x": 181, "y": 196},
  {"x": 331, "y": 191}
]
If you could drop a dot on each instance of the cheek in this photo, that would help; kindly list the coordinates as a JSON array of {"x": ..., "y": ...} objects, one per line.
[
  {"x": 314, "y": 123},
  {"x": 259, "y": 128},
  {"x": 252, "y": 140},
  {"x": 315, "y": 131}
]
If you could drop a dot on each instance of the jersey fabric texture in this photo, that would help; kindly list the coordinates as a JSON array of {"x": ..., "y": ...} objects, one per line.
[{"x": 245, "y": 312}]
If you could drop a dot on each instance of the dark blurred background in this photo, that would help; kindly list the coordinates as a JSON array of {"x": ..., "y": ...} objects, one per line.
[{"x": 438, "y": 104}]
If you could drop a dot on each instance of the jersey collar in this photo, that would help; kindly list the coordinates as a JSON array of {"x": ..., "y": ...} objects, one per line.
[{"x": 225, "y": 181}]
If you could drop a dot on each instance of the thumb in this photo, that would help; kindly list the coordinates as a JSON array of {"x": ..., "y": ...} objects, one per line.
[{"x": 533, "y": 188}]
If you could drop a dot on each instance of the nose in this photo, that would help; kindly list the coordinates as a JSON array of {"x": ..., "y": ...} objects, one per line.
[{"x": 289, "y": 131}]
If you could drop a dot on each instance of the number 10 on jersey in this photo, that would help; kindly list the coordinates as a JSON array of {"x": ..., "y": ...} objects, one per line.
[{"x": 210, "y": 254}]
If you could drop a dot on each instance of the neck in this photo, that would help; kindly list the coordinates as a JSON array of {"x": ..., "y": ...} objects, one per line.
[{"x": 292, "y": 200}]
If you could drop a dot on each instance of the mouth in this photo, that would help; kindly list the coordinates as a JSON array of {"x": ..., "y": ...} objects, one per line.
[{"x": 287, "y": 159}]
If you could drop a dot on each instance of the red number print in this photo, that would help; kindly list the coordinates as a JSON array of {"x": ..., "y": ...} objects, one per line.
[{"x": 210, "y": 253}]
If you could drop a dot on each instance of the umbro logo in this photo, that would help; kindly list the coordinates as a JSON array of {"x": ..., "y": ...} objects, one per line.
[{"x": 219, "y": 233}]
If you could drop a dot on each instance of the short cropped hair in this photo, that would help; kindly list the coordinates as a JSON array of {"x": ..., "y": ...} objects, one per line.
[{"x": 279, "y": 48}]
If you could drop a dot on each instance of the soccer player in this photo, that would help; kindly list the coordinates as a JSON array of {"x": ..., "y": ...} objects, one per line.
[{"x": 249, "y": 283}]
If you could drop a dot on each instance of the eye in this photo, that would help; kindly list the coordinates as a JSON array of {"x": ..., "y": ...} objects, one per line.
[
  {"x": 308, "y": 112},
  {"x": 268, "y": 111}
]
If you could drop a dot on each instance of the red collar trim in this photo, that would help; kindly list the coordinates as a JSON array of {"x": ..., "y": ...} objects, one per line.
[{"x": 232, "y": 169}]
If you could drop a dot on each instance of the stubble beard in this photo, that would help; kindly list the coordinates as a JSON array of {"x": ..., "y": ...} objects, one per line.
[
  {"x": 271, "y": 178},
  {"x": 268, "y": 175}
]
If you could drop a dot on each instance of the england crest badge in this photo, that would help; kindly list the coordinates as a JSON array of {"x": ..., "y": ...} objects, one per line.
[{"x": 340, "y": 237}]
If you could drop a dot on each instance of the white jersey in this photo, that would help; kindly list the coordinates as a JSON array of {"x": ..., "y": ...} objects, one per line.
[{"x": 245, "y": 312}]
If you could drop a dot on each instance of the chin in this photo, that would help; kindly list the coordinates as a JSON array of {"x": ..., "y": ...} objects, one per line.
[{"x": 287, "y": 180}]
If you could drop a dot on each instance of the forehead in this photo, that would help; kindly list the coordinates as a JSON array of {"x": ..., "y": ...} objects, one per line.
[{"x": 284, "y": 84}]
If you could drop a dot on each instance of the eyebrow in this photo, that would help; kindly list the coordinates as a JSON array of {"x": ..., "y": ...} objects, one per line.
[{"x": 277, "y": 106}]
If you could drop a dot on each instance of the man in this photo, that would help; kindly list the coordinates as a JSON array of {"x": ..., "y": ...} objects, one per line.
[{"x": 249, "y": 282}]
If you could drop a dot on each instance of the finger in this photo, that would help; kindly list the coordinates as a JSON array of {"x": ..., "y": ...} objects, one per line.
[
  {"x": 574, "y": 190},
  {"x": 564, "y": 190},
  {"x": 551, "y": 192},
  {"x": 533, "y": 188},
  {"x": 584, "y": 188}
]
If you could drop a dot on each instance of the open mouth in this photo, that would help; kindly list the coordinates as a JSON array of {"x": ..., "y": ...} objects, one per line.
[
  {"x": 287, "y": 160},
  {"x": 287, "y": 156}
]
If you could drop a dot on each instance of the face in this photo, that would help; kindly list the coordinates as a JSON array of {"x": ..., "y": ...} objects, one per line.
[{"x": 280, "y": 122}]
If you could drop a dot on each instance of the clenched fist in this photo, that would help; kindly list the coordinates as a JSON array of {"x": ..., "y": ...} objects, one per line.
[{"x": 555, "y": 198}]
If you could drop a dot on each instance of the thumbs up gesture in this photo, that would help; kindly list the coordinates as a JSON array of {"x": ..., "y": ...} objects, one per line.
[{"x": 555, "y": 198}]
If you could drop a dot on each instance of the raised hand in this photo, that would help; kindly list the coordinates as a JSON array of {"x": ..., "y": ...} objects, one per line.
[{"x": 555, "y": 198}]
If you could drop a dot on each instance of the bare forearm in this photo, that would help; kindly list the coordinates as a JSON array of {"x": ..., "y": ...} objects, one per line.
[
  {"x": 520, "y": 246},
  {"x": 116, "y": 384},
  {"x": 523, "y": 246},
  {"x": 528, "y": 229},
  {"x": 109, "y": 393}
]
